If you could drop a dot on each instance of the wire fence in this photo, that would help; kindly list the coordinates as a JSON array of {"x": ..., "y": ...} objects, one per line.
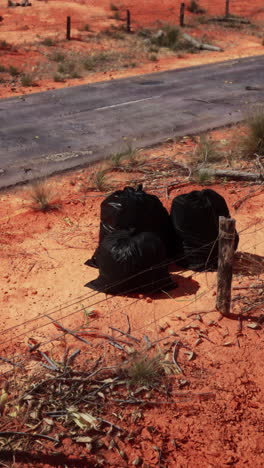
[{"x": 115, "y": 316}]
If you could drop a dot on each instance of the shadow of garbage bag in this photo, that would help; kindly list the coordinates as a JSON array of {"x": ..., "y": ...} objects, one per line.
[
  {"x": 195, "y": 218},
  {"x": 135, "y": 209},
  {"x": 131, "y": 262}
]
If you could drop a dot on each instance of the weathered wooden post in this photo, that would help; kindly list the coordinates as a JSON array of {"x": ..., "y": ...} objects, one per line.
[
  {"x": 225, "y": 264},
  {"x": 128, "y": 22},
  {"x": 227, "y": 12},
  {"x": 68, "y": 28},
  {"x": 182, "y": 9}
]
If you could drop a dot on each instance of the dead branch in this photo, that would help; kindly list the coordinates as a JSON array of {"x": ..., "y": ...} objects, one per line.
[
  {"x": 199, "y": 45},
  {"x": 11, "y": 362},
  {"x": 66, "y": 330},
  {"x": 28, "y": 434},
  {"x": 233, "y": 175},
  {"x": 126, "y": 334},
  {"x": 239, "y": 202}
]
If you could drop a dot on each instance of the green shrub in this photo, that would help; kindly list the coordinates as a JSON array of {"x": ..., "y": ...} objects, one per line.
[
  {"x": 194, "y": 7},
  {"x": 113, "y": 7},
  {"x": 13, "y": 71},
  {"x": 95, "y": 60},
  {"x": 2, "y": 68},
  {"x": 58, "y": 78},
  {"x": 48, "y": 42},
  {"x": 66, "y": 68},
  {"x": 169, "y": 36},
  {"x": 153, "y": 58},
  {"x": 86, "y": 27},
  {"x": 57, "y": 57},
  {"x": 27, "y": 80}
]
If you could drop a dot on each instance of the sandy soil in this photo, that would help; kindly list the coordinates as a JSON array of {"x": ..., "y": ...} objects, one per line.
[
  {"x": 43, "y": 272},
  {"x": 24, "y": 29}
]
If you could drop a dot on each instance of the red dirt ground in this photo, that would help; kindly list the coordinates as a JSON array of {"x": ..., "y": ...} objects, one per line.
[
  {"x": 42, "y": 271},
  {"x": 24, "y": 28}
]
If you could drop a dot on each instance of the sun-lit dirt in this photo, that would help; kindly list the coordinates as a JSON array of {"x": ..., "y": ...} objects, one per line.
[
  {"x": 25, "y": 29},
  {"x": 220, "y": 421}
]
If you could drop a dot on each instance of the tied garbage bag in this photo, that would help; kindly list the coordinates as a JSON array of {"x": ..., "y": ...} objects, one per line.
[
  {"x": 131, "y": 262},
  {"x": 195, "y": 218},
  {"x": 135, "y": 209}
]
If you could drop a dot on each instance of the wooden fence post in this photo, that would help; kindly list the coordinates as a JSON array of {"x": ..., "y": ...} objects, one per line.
[
  {"x": 225, "y": 264},
  {"x": 227, "y": 12},
  {"x": 182, "y": 9},
  {"x": 68, "y": 28},
  {"x": 128, "y": 22}
]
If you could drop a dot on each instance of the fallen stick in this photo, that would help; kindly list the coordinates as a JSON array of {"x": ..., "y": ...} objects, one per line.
[
  {"x": 239, "y": 202},
  {"x": 254, "y": 286},
  {"x": 52, "y": 365},
  {"x": 28, "y": 434},
  {"x": 66, "y": 330},
  {"x": 174, "y": 356},
  {"x": 126, "y": 334},
  {"x": 230, "y": 19},
  {"x": 11, "y": 362},
  {"x": 233, "y": 175},
  {"x": 199, "y": 45}
]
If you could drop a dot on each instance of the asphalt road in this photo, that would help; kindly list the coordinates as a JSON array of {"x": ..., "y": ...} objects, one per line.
[{"x": 49, "y": 132}]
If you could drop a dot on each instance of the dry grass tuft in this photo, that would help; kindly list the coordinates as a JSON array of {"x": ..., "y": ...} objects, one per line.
[
  {"x": 254, "y": 142},
  {"x": 42, "y": 197}
]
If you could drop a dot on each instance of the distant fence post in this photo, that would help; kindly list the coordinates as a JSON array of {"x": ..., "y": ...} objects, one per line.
[
  {"x": 128, "y": 21},
  {"x": 225, "y": 264},
  {"x": 227, "y": 9},
  {"x": 182, "y": 10},
  {"x": 68, "y": 28}
]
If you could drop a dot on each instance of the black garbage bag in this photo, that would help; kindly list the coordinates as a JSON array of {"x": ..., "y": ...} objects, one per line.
[
  {"x": 130, "y": 263},
  {"x": 195, "y": 218},
  {"x": 135, "y": 209}
]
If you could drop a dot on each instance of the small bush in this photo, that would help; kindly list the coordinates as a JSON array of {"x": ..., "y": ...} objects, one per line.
[
  {"x": 207, "y": 151},
  {"x": 113, "y": 7},
  {"x": 2, "y": 69},
  {"x": 116, "y": 15},
  {"x": 194, "y": 7},
  {"x": 58, "y": 78},
  {"x": 57, "y": 57},
  {"x": 100, "y": 180},
  {"x": 169, "y": 36},
  {"x": 66, "y": 68},
  {"x": 153, "y": 58},
  {"x": 87, "y": 27},
  {"x": 254, "y": 141},
  {"x": 144, "y": 370},
  {"x": 47, "y": 41},
  {"x": 74, "y": 75},
  {"x": 202, "y": 178},
  {"x": 13, "y": 71},
  {"x": 93, "y": 61},
  {"x": 27, "y": 80},
  {"x": 5, "y": 45},
  {"x": 41, "y": 197}
]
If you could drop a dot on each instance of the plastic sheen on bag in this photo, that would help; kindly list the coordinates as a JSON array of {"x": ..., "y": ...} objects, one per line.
[
  {"x": 195, "y": 218},
  {"x": 135, "y": 209},
  {"x": 131, "y": 262}
]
